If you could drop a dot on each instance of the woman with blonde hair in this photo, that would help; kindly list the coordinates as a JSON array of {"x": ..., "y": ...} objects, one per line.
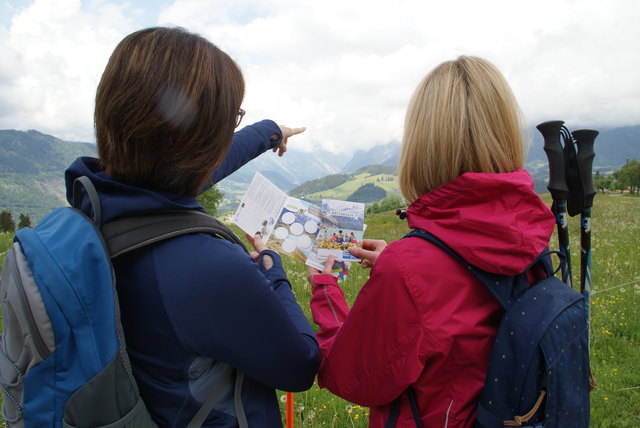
[{"x": 422, "y": 325}]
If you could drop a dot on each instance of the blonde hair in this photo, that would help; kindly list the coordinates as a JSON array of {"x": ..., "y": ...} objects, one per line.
[{"x": 462, "y": 117}]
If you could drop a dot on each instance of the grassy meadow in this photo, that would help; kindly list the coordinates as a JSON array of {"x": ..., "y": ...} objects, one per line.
[
  {"x": 388, "y": 182},
  {"x": 615, "y": 312}
]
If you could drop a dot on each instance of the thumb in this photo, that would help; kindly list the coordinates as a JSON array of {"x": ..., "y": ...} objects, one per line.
[{"x": 328, "y": 265}]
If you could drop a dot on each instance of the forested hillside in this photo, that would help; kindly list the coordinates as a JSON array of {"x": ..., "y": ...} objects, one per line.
[{"x": 32, "y": 168}]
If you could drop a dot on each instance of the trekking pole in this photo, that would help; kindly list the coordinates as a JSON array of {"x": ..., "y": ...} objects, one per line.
[
  {"x": 289, "y": 409},
  {"x": 557, "y": 186},
  {"x": 584, "y": 140}
]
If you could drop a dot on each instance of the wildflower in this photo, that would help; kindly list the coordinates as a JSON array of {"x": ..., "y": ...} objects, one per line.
[
  {"x": 349, "y": 408},
  {"x": 283, "y": 398}
]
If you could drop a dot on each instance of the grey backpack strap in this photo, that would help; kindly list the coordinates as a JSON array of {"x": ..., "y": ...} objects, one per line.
[
  {"x": 130, "y": 233},
  {"x": 214, "y": 396},
  {"x": 84, "y": 182},
  {"x": 242, "y": 417}
]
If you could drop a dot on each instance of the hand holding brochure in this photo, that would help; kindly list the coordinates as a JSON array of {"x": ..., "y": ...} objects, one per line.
[
  {"x": 296, "y": 227},
  {"x": 288, "y": 225}
]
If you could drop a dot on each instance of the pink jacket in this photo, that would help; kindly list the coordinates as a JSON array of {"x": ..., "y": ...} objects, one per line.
[{"x": 422, "y": 320}]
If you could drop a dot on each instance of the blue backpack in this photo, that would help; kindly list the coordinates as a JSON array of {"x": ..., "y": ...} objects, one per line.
[
  {"x": 538, "y": 373},
  {"x": 63, "y": 359}
]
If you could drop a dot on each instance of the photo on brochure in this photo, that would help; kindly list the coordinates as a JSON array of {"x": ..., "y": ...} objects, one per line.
[
  {"x": 341, "y": 227},
  {"x": 296, "y": 228}
]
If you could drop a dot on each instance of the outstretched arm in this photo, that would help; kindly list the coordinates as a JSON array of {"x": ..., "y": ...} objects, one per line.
[{"x": 249, "y": 143}]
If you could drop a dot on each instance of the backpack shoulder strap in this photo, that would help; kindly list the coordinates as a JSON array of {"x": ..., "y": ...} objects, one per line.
[
  {"x": 130, "y": 233},
  {"x": 503, "y": 287},
  {"x": 126, "y": 234},
  {"x": 395, "y": 410}
]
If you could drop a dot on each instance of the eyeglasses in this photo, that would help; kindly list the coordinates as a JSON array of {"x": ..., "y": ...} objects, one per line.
[{"x": 241, "y": 114}]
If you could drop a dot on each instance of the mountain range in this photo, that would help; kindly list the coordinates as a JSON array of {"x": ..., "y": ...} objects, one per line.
[{"x": 32, "y": 167}]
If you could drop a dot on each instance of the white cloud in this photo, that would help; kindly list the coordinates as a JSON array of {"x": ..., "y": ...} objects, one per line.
[
  {"x": 345, "y": 69},
  {"x": 58, "y": 51}
]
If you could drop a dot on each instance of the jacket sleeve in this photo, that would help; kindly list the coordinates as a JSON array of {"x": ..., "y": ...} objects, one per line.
[
  {"x": 234, "y": 310},
  {"x": 329, "y": 309},
  {"x": 248, "y": 143},
  {"x": 374, "y": 354}
]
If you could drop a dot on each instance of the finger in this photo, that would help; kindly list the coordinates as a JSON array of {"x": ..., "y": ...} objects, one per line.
[
  {"x": 311, "y": 272},
  {"x": 369, "y": 243},
  {"x": 249, "y": 238},
  {"x": 254, "y": 255},
  {"x": 374, "y": 244},
  {"x": 328, "y": 265},
  {"x": 296, "y": 131},
  {"x": 361, "y": 253},
  {"x": 288, "y": 132},
  {"x": 256, "y": 242}
]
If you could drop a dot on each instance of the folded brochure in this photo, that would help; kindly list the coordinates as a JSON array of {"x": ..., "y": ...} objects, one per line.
[{"x": 299, "y": 228}]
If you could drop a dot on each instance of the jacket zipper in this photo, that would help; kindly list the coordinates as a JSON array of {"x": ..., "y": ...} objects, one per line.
[
  {"x": 38, "y": 341},
  {"x": 335, "y": 315}
]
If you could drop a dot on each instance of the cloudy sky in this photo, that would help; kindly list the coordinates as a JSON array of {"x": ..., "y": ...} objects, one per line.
[{"x": 343, "y": 68}]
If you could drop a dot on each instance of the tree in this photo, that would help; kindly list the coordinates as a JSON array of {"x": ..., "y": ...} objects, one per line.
[
  {"x": 628, "y": 177},
  {"x": 368, "y": 193},
  {"x": 374, "y": 208},
  {"x": 211, "y": 200},
  {"x": 6, "y": 222},
  {"x": 388, "y": 203},
  {"x": 24, "y": 221},
  {"x": 602, "y": 182},
  {"x": 392, "y": 202}
]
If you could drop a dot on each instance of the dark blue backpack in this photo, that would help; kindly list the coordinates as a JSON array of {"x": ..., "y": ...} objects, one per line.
[{"x": 539, "y": 367}]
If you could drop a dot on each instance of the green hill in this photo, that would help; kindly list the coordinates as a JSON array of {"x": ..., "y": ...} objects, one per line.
[
  {"x": 32, "y": 168},
  {"x": 343, "y": 186}
]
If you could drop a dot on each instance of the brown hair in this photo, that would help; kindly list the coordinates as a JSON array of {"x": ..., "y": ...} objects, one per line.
[
  {"x": 462, "y": 117},
  {"x": 166, "y": 109}
]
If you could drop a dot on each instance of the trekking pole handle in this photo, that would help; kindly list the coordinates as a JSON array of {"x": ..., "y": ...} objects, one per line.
[
  {"x": 550, "y": 130},
  {"x": 584, "y": 140}
]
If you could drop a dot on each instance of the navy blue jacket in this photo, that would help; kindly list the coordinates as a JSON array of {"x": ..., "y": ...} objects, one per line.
[{"x": 195, "y": 306}]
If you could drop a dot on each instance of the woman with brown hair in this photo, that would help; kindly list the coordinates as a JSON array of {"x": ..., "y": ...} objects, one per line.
[
  {"x": 196, "y": 310},
  {"x": 422, "y": 322}
]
